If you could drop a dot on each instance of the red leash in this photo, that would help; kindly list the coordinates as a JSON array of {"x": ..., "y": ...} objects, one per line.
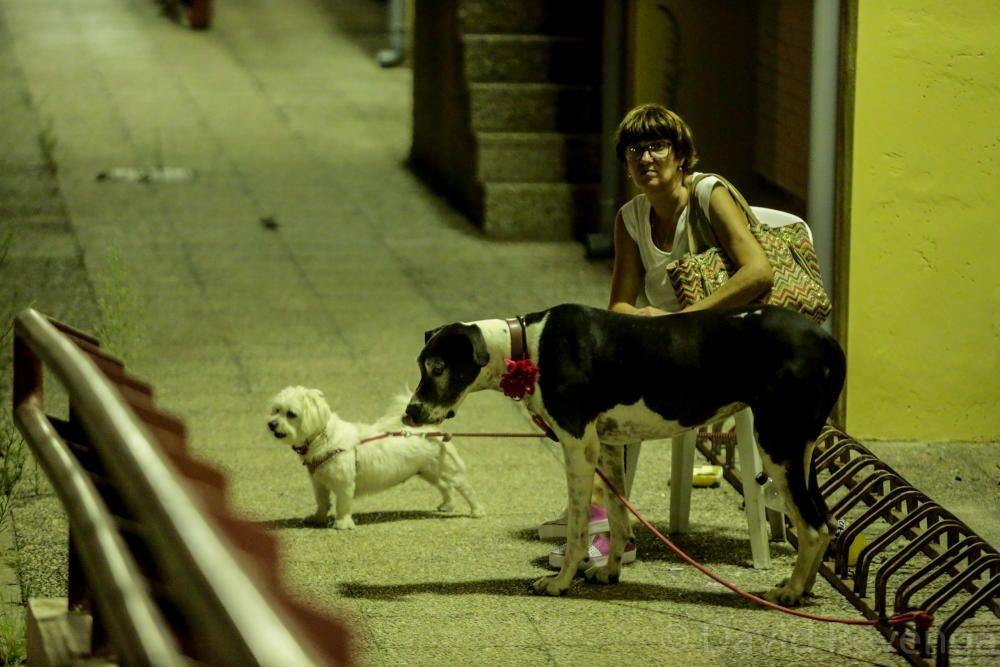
[
  {"x": 446, "y": 435},
  {"x": 921, "y": 619}
]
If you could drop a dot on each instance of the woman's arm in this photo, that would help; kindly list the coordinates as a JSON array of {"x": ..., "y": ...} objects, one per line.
[
  {"x": 754, "y": 274},
  {"x": 627, "y": 277}
]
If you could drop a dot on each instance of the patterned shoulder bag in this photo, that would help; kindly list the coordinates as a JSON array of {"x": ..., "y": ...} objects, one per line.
[{"x": 797, "y": 281}]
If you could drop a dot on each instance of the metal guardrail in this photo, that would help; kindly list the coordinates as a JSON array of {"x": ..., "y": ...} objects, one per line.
[
  {"x": 916, "y": 553},
  {"x": 196, "y": 14},
  {"x": 168, "y": 573},
  {"x": 199, "y": 14}
]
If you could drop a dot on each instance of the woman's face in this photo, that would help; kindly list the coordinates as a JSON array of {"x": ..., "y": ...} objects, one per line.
[{"x": 652, "y": 164}]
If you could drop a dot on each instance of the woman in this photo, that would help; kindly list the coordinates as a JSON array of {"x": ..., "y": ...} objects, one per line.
[
  {"x": 650, "y": 232},
  {"x": 651, "y": 229}
]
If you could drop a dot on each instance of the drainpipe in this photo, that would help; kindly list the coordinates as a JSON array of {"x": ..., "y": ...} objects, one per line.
[
  {"x": 823, "y": 134},
  {"x": 601, "y": 243},
  {"x": 396, "y": 32}
]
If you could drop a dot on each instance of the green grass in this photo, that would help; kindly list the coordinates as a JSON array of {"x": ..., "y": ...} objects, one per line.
[
  {"x": 13, "y": 647},
  {"x": 13, "y": 454},
  {"x": 12, "y": 448}
]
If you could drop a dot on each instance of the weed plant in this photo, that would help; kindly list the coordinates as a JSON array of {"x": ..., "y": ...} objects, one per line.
[
  {"x": 13, "y": 453},
  {"x": 12, "y": 447}
]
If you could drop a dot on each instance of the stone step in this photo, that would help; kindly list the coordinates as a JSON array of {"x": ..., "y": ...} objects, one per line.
[
  {"x": 542, "y": 157},
  {"x": 540, "y": 211},
  {"x": 532, "y": 58},
  {"x": 534, "y": 107},
  {"x": 540, "y": 17}
]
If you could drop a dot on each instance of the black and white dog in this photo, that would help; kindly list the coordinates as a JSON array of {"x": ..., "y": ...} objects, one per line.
[{"x": 601, "y": 379}]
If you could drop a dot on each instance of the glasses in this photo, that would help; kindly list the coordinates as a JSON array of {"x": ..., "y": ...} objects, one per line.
[{"x": 656, "y": 149}]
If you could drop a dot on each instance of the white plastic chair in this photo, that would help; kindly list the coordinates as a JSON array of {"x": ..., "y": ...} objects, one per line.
[
  {"x": 682, "y": 466},
  {"x": 683, "y": 446}
]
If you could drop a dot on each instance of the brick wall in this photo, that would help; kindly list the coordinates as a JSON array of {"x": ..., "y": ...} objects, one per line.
[{"x": 784, "y": 53}]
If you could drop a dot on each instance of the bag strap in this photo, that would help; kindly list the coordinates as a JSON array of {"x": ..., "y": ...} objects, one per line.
[
  {"x": 694, "y": 210},
  {"x": 757, "y": 228},
  {"x": 760, "y": 230},
  {"x": 704, "y": 226}
]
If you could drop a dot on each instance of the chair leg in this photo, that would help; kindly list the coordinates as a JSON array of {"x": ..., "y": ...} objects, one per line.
[
  {"x": 777, "y": 522},
  {"x": 631, "y": 460},
  {"x": 681, "y": 469},
  {"x": 753, "y": 496}
]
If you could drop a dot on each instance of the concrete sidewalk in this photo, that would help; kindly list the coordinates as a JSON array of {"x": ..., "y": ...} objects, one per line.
[{"x": 304, "y": 252}]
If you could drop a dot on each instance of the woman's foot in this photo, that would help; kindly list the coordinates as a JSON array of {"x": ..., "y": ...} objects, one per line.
[
  {"x": 555, "y": 529},
  {"x": 598, "y": 551}
]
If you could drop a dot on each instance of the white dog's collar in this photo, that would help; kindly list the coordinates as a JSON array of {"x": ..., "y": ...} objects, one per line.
[
  {"x": 303, "y": 449},
  {"x": 313, "y": 465}
]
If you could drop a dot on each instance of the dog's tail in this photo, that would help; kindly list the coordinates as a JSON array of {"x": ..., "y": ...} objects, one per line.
[
  {"x": 392, "y": 420},
  {"x": 815, "y": 493},
  {"x": 804, "y": 488}
]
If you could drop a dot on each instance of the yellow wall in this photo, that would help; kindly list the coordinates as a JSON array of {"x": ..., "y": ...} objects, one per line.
[{"x": 924, "y": 297}]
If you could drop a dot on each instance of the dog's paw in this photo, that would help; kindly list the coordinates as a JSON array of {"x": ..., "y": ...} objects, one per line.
[
  {"x": 477, "y": 513},
  {"x": 602, "y": 575},
  {"x": 550, "y": 585},
  {"x": 446, "y": 507},
  {"x": 347, "y": 523},
  {"x": 784, "y": 595}
]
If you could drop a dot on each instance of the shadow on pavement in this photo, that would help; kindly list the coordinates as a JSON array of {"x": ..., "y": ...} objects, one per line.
[
  {"x": 522, "y": 587},
  {"x": 364, "y": 519},
  {"x": 705, "y": 546}
]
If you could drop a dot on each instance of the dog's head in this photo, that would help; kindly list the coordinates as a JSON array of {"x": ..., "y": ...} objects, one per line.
[
  {"x": 298, "y": 415},
  {"x": 450, "y": 363}
]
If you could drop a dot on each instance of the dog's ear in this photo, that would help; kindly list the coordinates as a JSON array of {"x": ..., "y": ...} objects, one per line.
[
  {"x": 319, "y": 403},
  {"x": 430, "y": 334},
  {"x": 315, "y": 411},
  {"x": 480, "y": 353}
]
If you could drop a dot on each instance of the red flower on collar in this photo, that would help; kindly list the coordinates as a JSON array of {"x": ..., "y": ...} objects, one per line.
[{"x": 519, "y": 379}]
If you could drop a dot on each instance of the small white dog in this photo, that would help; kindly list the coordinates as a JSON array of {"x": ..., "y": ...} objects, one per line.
[{"x": 349, "y": 460}]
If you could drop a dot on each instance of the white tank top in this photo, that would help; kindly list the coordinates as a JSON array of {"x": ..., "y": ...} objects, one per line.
[{"x": 635, "y": 214}]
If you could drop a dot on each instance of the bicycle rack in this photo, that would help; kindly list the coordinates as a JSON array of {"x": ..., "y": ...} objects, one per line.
[{"x": 941, "y": 565}]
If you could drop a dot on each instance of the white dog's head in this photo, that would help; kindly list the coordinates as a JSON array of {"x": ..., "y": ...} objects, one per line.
[{"x": 298, "y": 415}]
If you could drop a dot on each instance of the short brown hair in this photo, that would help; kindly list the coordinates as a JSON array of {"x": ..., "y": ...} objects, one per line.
[{"x": 654, "y": 121}]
